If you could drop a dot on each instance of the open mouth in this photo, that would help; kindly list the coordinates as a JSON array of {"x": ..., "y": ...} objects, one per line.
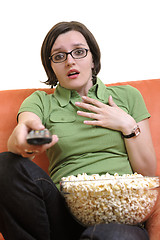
[{"x": 73, "y": 74}]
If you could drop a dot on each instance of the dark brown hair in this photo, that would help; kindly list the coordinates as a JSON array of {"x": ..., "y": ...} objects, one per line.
[{"x": 63, "y": 27}]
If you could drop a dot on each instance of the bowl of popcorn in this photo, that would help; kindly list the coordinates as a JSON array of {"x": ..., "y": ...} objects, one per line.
[{"x": 94, "y": 199}]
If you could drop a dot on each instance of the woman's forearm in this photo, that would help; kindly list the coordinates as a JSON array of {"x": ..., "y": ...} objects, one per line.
[
  {"x": 26, "y": 122},
  {"x": 141, "y": 152}
]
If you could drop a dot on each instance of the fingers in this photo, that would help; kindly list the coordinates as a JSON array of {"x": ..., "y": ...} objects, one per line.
[
  {"x": 35, "y": 125},
  {"x": 29, "y": 153},
  {"x": 93, "y": 123},
  {"x": 90, "y": 104},
  {"x": 100, "y": 114},
  {"x": 32, "y": 150},
  {"x": 86, "y": 106},
  {"x": 94, "y": 107},
  {"x": 93, "y": 104},
  {"x": 54, "y": 141},
  {"x": 88, "y": 114},
  {"x": 25, "y": 149},
  {"x": 91, "y": 101},
  {"x": 111, "y": 102}
]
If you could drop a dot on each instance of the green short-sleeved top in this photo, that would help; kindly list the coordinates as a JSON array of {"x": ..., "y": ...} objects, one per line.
[{"x": 83, "y": 148}]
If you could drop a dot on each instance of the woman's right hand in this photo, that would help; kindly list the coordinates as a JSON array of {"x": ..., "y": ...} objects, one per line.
[{"x": 17, "y": 141}]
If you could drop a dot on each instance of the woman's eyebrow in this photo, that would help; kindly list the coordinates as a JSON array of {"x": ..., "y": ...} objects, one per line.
[
  {"x": 79, "y": 44},
  {"x": 62, "y": 47},
  {"x": 56, "y": 49}
]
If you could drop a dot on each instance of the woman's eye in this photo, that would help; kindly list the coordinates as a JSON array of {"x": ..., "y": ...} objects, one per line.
[
  {"x": 79, "y": 52},
  {"x": 59, "y": 56}
]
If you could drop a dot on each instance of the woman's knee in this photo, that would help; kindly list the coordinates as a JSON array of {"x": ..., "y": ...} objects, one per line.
[
  {"x": 8, "y": 162},
  {"x": 8, "y": 168},
  {"x": 12, "y": 164},
  {"x": 17, "y": 172}
]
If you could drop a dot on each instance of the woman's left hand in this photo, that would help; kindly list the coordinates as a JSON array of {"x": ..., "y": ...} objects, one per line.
[{"x": 107, "y": 116}]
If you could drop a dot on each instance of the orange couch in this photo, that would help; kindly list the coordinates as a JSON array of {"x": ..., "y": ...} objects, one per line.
[{"x": 150, "y": 89}]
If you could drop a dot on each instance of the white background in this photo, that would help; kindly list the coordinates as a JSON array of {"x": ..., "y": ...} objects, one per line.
[{"x": 127, "y": 32}]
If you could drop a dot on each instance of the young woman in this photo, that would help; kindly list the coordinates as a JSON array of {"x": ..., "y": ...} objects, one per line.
[{"x": 96, "y": 129}]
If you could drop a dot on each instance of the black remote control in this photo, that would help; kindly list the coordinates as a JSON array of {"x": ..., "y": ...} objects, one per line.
[{"x": 39, "y": 137}]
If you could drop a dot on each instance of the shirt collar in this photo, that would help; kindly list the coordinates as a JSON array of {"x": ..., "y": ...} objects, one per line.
[
  {"x": 64, "y": 95},
  {"x": 100, "y": 90}
]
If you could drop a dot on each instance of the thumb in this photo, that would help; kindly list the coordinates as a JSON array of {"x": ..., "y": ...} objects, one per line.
[
  {"x": 35, "y": 124},
  {"x": 111, "y": 102}
]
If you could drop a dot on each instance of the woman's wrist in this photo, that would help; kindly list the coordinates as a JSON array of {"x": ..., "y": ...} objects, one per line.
[{"x": 128, "y": 127}]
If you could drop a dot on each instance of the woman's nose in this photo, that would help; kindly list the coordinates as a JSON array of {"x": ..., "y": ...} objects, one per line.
[{"x": 70, "y": 60}]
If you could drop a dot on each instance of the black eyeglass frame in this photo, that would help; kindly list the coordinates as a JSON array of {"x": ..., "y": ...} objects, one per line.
[{"x": 67, "y": 53}]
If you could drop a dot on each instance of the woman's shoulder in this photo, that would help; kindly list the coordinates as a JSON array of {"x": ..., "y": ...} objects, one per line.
[
  {"x": 121, "y": 87},
  {"x": 41, "y": 94},
  {"x": 124, "y": 90}
]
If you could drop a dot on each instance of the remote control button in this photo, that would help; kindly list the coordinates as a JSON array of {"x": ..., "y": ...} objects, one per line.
[{"x": 39, "y": 137}]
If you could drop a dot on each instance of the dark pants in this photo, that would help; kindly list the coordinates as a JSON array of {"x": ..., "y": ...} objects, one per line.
[
  {"x": 31, "y": 208},
  {"x": 114, "y": 231}
]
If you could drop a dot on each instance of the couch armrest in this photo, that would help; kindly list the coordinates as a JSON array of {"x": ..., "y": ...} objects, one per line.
[{"x": 153, "y": 223}]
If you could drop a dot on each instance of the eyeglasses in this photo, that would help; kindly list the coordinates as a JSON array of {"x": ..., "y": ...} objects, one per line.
[{"x": 62, "y": 56}]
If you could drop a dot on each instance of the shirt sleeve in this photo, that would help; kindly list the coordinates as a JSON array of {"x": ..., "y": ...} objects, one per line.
[
  {"x": 34, "y": 103},
  {"x": 137, "y": 107}
]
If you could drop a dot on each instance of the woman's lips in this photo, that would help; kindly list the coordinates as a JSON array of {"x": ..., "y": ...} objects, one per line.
[{"x": 73, "y": 73}]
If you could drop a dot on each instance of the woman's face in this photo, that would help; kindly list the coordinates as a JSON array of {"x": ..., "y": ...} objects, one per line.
[{"x": 74, "y": 74}]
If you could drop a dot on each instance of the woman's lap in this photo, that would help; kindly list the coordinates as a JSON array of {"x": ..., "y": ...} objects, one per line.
[
  {"x": 31, "y": 207},
  {"x": 114, "y": 231}
]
